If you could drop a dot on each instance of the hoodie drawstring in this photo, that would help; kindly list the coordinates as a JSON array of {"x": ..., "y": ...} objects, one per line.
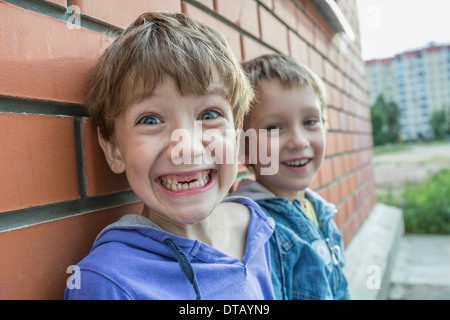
[{"x": 185, "y": 265}]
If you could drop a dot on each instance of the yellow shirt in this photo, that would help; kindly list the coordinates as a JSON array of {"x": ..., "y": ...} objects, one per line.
[{"x": 310, "y": 212}]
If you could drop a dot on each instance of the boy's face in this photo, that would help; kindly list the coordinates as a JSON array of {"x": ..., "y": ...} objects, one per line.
[
  {"x": 297, "y": 114},
  {"x": 163, "y": 143}
]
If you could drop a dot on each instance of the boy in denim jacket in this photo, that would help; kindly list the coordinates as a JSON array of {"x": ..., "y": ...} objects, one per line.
[{"x": 306, "y": 248}]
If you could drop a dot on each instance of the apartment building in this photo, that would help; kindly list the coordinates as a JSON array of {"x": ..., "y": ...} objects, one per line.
[{"x": 418, "y": 81}]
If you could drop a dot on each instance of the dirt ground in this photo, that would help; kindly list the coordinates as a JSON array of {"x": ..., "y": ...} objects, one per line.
[{"x": 395, "y": 170}]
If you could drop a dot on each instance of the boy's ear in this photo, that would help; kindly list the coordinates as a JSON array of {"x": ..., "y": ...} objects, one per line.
[
  {"x": 238, "y": 134},
  {"x": 241, "y": 146},
  {"x": 241, "y": 123},
  {"x": 112, "y": 153}
]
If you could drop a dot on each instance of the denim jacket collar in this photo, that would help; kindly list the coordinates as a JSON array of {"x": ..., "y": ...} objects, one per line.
[{"x": 256, "y": 191}]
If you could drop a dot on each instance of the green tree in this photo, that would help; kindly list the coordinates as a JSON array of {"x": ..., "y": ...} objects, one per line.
[
  {"x": 448, "y": 120},
  {"x": 385, "y": 126},
  {"x": 393, "y": 127},
  {"x": 438, "y": 123},
  {"x": 378, "y": 126}
]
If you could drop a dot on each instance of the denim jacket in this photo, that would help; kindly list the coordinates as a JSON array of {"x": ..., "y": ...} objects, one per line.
[{"x": 306, "y": 261}]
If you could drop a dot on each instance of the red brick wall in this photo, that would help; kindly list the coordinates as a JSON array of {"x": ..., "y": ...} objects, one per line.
[{"x": 57, "y": 191}]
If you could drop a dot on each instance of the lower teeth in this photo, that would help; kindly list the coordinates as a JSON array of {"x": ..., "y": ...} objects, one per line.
[{"x": 177, "y": 187}]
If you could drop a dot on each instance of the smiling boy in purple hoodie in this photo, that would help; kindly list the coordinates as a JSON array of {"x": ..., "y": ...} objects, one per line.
[{"x": 167, "y": 74}]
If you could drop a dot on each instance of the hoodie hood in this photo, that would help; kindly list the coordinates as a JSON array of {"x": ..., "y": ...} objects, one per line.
[{"x": 253, "y": 190}]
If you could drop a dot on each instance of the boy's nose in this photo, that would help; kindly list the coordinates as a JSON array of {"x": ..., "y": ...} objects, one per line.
[
  {"x": 297, "y": 140},
  {"x": 186, "y": 145}
]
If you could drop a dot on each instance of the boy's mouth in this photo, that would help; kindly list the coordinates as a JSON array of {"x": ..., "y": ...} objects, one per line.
[
  {"x": 297, "y": 163},
  {"x": 186, "y": 181}
]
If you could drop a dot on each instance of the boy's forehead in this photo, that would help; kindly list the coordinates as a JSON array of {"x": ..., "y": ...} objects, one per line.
[
  {"x": 168, "y": 85},
  {"x": 271, "y": 95},
  {"x": 278, "y": 84}
]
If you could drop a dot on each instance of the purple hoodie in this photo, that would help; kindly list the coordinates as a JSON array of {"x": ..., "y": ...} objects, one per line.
[{"x": 135, "y": 259}]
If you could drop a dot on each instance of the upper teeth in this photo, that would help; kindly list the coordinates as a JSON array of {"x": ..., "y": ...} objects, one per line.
[
  {"x": 171, "y": 182},
  {"x": 297, "y": 162}
]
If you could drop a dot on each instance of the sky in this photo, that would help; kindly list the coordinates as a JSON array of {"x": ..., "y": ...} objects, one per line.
[{"x": 389, "y": 27}]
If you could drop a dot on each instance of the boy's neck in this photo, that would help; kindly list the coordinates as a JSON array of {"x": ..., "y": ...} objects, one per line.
[
  {"x": 199, "y": 231},
  {"x": 287, "y": 194},
  {"x": 224, "y": 229}
]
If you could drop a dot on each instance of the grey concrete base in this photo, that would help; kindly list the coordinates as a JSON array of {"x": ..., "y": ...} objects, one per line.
[
  {"x": 422, "y": 268},
  {"x": 371, "y": 253}
]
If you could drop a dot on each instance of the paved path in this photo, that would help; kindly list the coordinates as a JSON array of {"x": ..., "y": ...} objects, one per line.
[{"x": 422, "y": 269}]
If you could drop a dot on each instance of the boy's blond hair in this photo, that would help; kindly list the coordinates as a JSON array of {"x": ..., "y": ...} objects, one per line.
[
  {"x": 157, "y": 46},
  {"x": 289, "y": 72}
]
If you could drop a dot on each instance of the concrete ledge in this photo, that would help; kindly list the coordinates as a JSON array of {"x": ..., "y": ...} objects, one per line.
[{"x": 371, "y": 253}]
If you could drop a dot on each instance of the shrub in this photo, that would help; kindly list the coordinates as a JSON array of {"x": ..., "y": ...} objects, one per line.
[{"x": 426, "y": 207}]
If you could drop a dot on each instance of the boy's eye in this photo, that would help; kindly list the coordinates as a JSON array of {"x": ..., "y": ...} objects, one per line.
[
  {"x": 149, "y": 120},
  {"x": 208, "y": 115},
  {"x": 310, "y": 122},
  {"x": 273, "y": 127}
]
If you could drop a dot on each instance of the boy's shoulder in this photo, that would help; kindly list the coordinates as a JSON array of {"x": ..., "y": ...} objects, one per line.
[{"x": 241, "y": 205}]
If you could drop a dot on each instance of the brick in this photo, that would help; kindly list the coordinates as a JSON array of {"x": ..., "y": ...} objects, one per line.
[
  {"x": 329, "y": 71},
  {"x": 322, "y": 40},
  {"x": 341, "y": 141},
  {"x": 287, "y": 11},
  {"x": 324, "y": 193},
  {"x": 333, "y": 52},
  {"x": 298, "y": 48},
  {"x": 333, "y": 119},
  {"x": 252, "y": 49},
  {"x": 347, "y": 233},
  {"x": 100, "y": 179},
  {"x": 37, "y": 160},
  {"x": 339, "y": 80},
  {"x": 305, "y": 27},
  {"x": 229, "y": 33},
  {"x": 334, "y": 96},
  {"x": 42, "y": 58},
  {"x": 314, "y": 14},
  {"x": 337, "y": 166},
  {"x": 326, "y": 171},
  {"x": 331, "y": 146},
  {"x": 60, "y": 3},
  {"x": 207, "y": 3},
  {"x": 346, "y": 166},
  {"x": 35, "y": 259},
  {"x": 339, "y": 218},
  {"x": 268, "y": 3},
  {"x": 273, "y": 31},
  {"x": 243, "y": 13},
  {"x": 343, "y": 120},
  {"x": 316, "y": 62},
  {"x": 122, "y": 13},
  {"x": 316, "y": 182}
]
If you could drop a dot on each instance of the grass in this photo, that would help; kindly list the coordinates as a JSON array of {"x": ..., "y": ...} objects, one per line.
[
  {"x": 393, "y": 148},
  {"x": 390, "y": 148},
  {"x": 426, "y": 207}
]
